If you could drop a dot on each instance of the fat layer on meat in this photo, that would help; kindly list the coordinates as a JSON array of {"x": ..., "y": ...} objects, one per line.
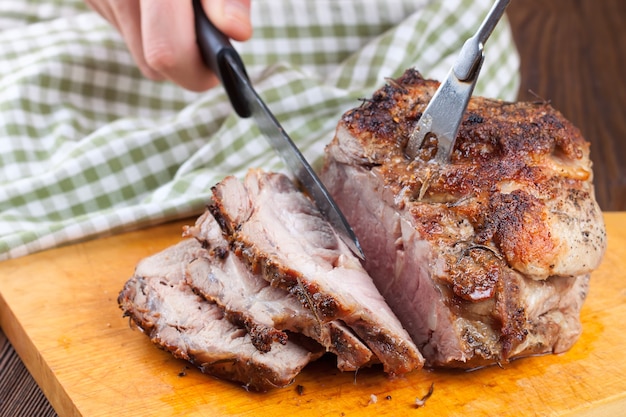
[
  {"x": 281, "y": 234},
  {"x": 265, "y": 311},
  {"x": 160, "y": 302},
  {"x": 485, "y": 258}
]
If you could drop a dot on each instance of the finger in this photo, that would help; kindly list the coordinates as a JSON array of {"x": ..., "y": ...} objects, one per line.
[
  {"x": 103, "y": 9},
  {"x": 232, "y": 17},
  {"x": 127, "y": 15},
  {"x": 169, "y": 44}
]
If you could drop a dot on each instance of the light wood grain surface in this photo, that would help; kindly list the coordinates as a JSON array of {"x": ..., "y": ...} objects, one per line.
[{"x": 59, "y": 309}]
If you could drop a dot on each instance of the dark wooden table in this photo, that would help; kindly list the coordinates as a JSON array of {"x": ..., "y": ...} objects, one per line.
[{"x": 573, "y": 54}]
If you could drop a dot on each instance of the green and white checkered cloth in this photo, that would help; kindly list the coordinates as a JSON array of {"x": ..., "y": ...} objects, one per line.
[{"x": 89, "y": 147}]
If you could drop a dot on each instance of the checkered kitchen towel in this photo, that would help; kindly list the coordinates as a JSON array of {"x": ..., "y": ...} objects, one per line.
[{"x": 89, "y": 147}]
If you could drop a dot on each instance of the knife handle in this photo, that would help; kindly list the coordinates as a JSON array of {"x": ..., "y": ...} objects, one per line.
[{"x": 218, "y": 54}]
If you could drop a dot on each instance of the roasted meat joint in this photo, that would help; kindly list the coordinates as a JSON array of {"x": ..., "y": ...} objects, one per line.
[{"x": 469, "y": 263}]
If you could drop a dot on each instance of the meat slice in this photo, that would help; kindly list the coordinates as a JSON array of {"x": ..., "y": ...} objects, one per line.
[
  {"x": 483, "y": 259},
  {"x": 281, "y": 234},
  {"x": 160, "y": 302},
  {"x": 265, "y": 311}
]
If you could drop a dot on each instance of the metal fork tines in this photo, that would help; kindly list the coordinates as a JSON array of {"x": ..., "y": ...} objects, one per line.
[{"x": 443, "y": 115}]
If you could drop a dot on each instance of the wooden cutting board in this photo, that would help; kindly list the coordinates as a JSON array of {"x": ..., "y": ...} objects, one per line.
[{"x": 59, "y": 310}]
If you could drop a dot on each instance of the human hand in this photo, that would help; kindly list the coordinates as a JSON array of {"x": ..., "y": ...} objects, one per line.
[{"x": 161, "y": 37}]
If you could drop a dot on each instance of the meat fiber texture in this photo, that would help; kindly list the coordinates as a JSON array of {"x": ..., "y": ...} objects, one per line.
[
  {"x": 251, "y": 299},
  {"x": 282, "y": 236},
  {"x": 267, "y": 313},
  {"x": 158, "y": 299},
  {"x": 486, "y": 258}
]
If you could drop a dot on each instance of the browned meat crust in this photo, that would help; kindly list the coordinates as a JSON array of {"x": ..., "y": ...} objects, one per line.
[{"x": 487, "y": 257}]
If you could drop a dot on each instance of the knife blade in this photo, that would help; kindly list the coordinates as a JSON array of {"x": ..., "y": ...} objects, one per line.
[{"x": 219, "y": 55}]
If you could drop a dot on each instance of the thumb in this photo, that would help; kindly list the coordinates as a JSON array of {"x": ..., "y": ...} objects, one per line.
[{"x": 232, "y": 17}]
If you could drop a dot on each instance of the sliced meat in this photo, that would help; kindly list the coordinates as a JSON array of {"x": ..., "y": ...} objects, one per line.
[
  {"x": 160, "y": 302},
  {"x": 265, "y": 311},
  {"x": 281, "y": 234},
  {"x": 483, "y": 259}
]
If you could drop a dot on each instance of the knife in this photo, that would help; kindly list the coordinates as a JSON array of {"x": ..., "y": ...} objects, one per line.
[{"x": 219, "y": 55}]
